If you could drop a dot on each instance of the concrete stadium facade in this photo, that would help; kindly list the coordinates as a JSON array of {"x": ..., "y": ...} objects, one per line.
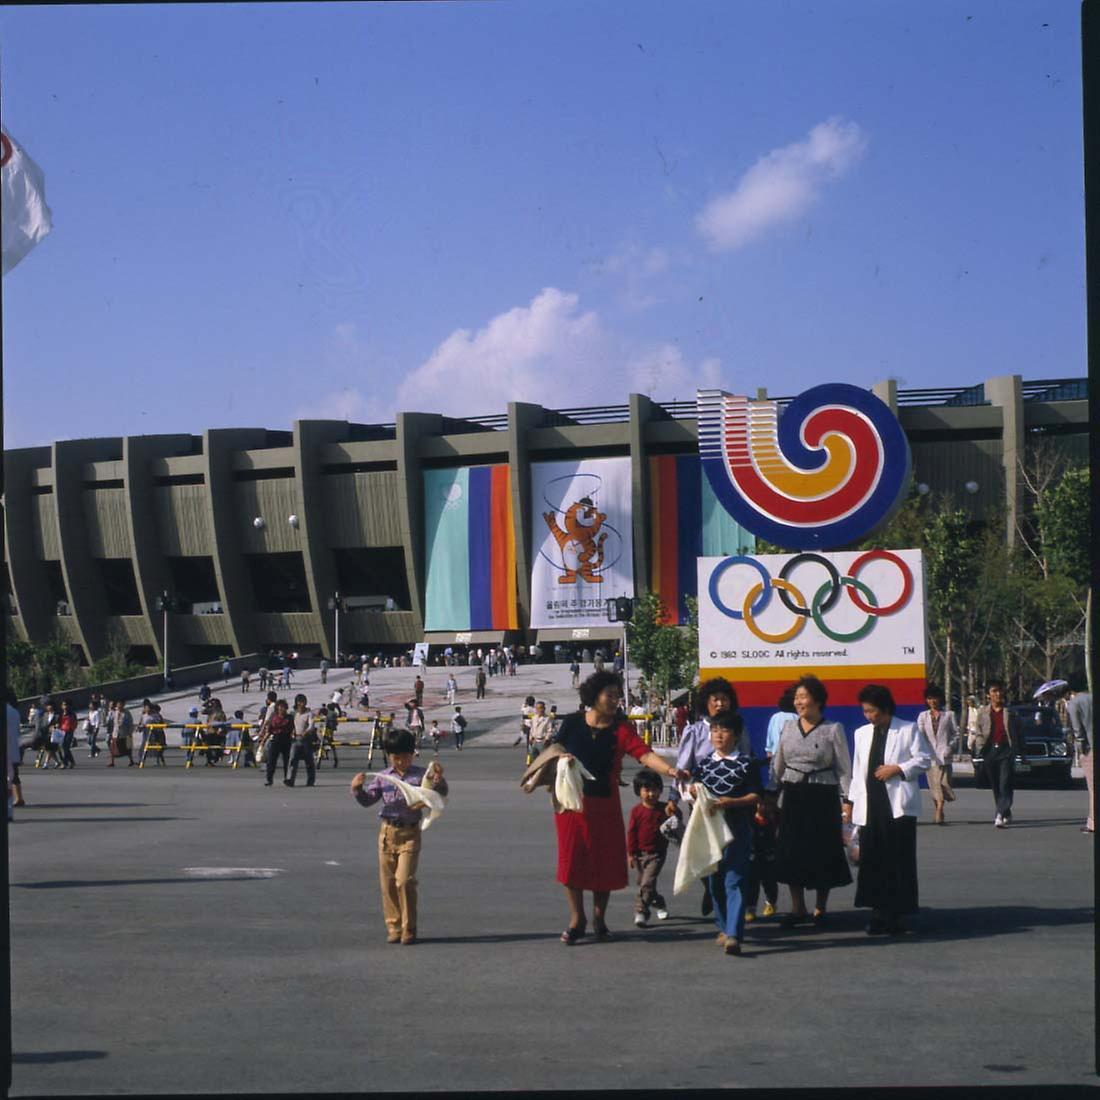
[{"x": 96, "y": 529}]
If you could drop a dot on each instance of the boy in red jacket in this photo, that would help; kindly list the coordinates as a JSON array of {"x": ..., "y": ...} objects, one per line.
[{"x": 646, "y": 845}]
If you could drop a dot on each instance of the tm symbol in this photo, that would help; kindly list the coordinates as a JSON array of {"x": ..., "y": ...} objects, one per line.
[{"x": 908, "y": 649}]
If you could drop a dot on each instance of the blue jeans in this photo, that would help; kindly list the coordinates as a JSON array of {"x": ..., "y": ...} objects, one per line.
[{"x": 726, "y": 885}]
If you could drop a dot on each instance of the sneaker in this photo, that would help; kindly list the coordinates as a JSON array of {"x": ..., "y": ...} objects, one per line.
[
  {"x": 662, "y": 914},
  {"x": 639, "y": 920},
  {"x": 750, "y": 916},
  {"x": 769, "y": 910},
  {"x": 999, "y": 822},
  {"x": 1006, "y": 821}
]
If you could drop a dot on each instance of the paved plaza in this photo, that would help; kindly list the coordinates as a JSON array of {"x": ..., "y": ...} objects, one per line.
[{"x": 194, "y": 931}]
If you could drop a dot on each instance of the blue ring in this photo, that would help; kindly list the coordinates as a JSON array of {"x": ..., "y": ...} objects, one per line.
[{"x": 762, "y": 600}]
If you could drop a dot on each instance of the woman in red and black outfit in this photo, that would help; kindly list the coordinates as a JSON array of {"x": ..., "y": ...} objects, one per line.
[{"x": 592, "y": 843}]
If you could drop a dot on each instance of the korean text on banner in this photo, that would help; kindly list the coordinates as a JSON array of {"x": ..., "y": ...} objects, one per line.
[
  {"x": 24, "y": 216},
  {"x": 582, "y": 550}
]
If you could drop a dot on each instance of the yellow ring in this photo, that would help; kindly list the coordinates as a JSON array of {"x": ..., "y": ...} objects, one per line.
[{"x": 786, "y": 635}]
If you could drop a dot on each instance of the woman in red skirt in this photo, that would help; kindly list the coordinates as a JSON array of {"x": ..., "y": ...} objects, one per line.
[{"x": 592, "y": 842}]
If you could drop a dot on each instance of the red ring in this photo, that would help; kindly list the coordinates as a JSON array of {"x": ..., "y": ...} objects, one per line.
[{"x": 906, "y": 587}]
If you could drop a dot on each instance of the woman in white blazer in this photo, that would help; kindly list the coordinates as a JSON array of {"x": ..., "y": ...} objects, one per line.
[
  {"x": 884, "y": 801},
  {"x": 942, "y": 734}
]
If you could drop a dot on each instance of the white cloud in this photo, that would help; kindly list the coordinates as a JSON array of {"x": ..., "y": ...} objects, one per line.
[
  {"x": 345, "y": 355},
  {"x": 782, "y": 185},
  {"x": 548, "y": 352}
]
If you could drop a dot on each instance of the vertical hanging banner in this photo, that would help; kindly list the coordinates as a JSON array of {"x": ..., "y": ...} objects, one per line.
[
  {"x": 470, "y": 549},
  {"x": 581, "y": 546},
  {"x": 24, "y": 216},
  {"x": 685, "y": 522},
  {"x": 850, "y": 618}
]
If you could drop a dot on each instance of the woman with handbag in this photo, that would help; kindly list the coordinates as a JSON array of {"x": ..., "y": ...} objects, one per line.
[{"x": 940, "y": 731}]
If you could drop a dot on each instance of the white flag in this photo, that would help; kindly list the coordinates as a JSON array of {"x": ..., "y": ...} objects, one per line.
[{"x": 24, "y": 215}]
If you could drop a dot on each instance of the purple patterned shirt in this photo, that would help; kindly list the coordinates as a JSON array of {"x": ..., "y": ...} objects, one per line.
[{"x": 395, "y": 810}]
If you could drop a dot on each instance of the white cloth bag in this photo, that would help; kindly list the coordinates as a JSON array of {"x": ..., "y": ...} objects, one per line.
[
  {"x": 705, "y": 838},
  {"x": 567, "y": 783},
  {"x": 432, "y": 801}
]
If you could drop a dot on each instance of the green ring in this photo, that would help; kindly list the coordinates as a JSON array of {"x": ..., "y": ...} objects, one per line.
[{"x": 856, "y": 635}]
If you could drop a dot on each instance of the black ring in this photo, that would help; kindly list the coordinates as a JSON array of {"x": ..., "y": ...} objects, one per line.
[{"x": 834, "y": 576}]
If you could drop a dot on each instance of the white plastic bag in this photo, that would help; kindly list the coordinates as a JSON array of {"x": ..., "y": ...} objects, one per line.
[
  {"x": 568, "y": 788},
  {"x": 705, "y": 838}
]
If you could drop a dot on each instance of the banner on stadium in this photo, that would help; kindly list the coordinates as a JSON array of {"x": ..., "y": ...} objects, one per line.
[
  {"x": 469, "y": 549},
  {"x": 24, "y": 216},
  {"x": 581, "y": 547},
  {"x": 686, "y": 521},
  {"x": 849, "y": 618}
]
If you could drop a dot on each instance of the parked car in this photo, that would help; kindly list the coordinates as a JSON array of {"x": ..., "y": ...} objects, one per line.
[{"x": 1047, "y": 755}]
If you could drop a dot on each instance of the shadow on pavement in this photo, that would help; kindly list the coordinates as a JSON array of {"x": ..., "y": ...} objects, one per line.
[
  {"x": 65, "y": 883},
  {"x": 82, "y": 820},
  {"x": 45, "y": 1057},
  {"x": 85, "y": 805}
]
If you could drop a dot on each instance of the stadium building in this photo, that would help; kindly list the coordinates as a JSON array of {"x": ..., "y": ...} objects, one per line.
[{"x": 428, "y": 529}]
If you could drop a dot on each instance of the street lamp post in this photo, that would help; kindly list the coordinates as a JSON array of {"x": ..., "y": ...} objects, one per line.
[
  {"x": 620, "y": 609},
  {"x": 336, "y": 605},
  {"x": 166, "y": 603}
]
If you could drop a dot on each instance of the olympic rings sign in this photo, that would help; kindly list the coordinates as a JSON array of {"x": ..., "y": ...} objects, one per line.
[{"x": 759, "y": 595}]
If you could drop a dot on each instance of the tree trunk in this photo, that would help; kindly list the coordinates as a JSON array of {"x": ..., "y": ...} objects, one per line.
[
  {"x": 1088, "y": 638},
  {"x": 947, "y": 674}
]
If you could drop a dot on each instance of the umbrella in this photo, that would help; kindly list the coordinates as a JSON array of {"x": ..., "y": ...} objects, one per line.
[{"x": 1049, "y": 686}]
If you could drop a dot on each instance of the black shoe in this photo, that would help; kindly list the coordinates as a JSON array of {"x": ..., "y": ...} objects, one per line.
[
  {"x": 288, "y": 782},
  {"x": 603, "y": 933},
  {"x": 894, "y": 927},
  {"x": 708, "y": 904},
  {"x": 267, "y": 782},
  {"x": 310, "y": 783}
]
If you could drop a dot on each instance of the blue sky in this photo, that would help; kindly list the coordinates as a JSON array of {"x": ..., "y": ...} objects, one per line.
[{"x": 263, "y": 212}]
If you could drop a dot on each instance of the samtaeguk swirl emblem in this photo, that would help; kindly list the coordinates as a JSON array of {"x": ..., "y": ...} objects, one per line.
[{"x": 824, "y": 474}]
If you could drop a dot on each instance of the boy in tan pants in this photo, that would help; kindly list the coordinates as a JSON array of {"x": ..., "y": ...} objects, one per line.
[{"x": 399, "y": 838}]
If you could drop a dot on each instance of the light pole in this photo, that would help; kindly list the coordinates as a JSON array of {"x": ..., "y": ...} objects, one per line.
[
  {"x": 620, "y": 609},
  {"x": 336, "y": 605},
  {"x": 166, "y": 603}
]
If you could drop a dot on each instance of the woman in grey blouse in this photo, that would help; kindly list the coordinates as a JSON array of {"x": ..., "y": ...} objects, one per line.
[{"x": 812, "y": 769}]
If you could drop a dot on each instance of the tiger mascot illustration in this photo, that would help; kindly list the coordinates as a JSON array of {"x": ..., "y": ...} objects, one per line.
[{"x": 581, "y": 542}]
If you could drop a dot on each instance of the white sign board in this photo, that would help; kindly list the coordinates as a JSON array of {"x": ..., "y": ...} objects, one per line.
[
  {"x": 582, "y": 552},
  {"x": 853, "y": 608}
]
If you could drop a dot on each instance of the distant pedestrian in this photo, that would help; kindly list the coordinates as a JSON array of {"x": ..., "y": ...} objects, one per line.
[
  {"x": 940, "y": 731},
  {"x": 324, "y": 670},
  {"x": 227, "y": 669},
  {"x": 263, "y": 675},
  {"x": 67, "y": 722},
  {"x": 280, "y": 734},
  {"x": 306, "y": 742},
  {"x": 418, "y": 691},
  {"x": 14, "y": 783},
  {"x": 452, "y": 688},
  {"x": 1079, "y": 713},
  {"x": 156, "y": 740},
  {"x": 998, "y": 743},
  {"x": 246, "y": 679},
  {"x": 575, "y": 670},
  {"x": 122, "y": 733},
  {"x": 480, "y": 682},
  {"x": 458, "y": 728},
  {"x": 204, "y": 693}
]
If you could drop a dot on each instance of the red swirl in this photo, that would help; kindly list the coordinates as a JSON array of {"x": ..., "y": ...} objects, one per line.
[{"x": 862, "y": 481}]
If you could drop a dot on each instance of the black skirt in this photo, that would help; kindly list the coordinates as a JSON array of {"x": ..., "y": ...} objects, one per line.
[
  {"x": 887, "y": 878},
  {"x": 809, "y": 850}
]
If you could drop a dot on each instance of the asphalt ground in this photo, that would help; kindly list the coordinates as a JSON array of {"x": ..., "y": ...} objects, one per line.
[{"x": 133, "y": 972}]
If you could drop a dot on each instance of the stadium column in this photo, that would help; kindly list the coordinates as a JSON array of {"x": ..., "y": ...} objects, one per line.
[
  {"x": 150, "y": 569},
  {"x": 310, "y": 437},
  {"x": 641, "y": 412},
  {"x": 1006, "y": 393},
  {"x": 887, "y": 393},
  {"x": 226, "y": 525},
  {"x": 37, "y": 612},
  {"x": 522, "y": 420},
  {"x": 85, "y": 589},
  {"x": 411, "y": 428}
]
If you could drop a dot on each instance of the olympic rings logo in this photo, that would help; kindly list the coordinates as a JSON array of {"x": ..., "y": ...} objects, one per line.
[{"x": 759, "y": 596}]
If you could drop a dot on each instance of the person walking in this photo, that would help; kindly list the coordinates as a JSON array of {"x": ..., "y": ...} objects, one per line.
[
  {"x": 306, "y": 741},
  {"x": 246, "y": 680},
  {"x": 227, "y": 669},
  {"x": 14, "y": 782},
  {"x": 452, "y": 689},
  {"x": 418, "y": 691},
  {"x": 331, "y": 728},
  {"x": 479, "y": 681},
  {"x": 1079, "y": 715},
  {"x": 280, "y": 729},
  {"x": 575, "y": 672},
  {"x": 458, "y": 728},
  {"x": 938, "y": 728},
  {"x": 592, "y": 852},
  {"x": 647, "y": 844},
  {"x": 811, "y": 769},
  {"x": 883, "y": 801},
  {"x": 122, "y": 733},
  {"x": 998, "y": 742},
  {"x": 324, "y": 670},
  {"x": 95, "y": 724},
  {"x": 67, "y": 723}
]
